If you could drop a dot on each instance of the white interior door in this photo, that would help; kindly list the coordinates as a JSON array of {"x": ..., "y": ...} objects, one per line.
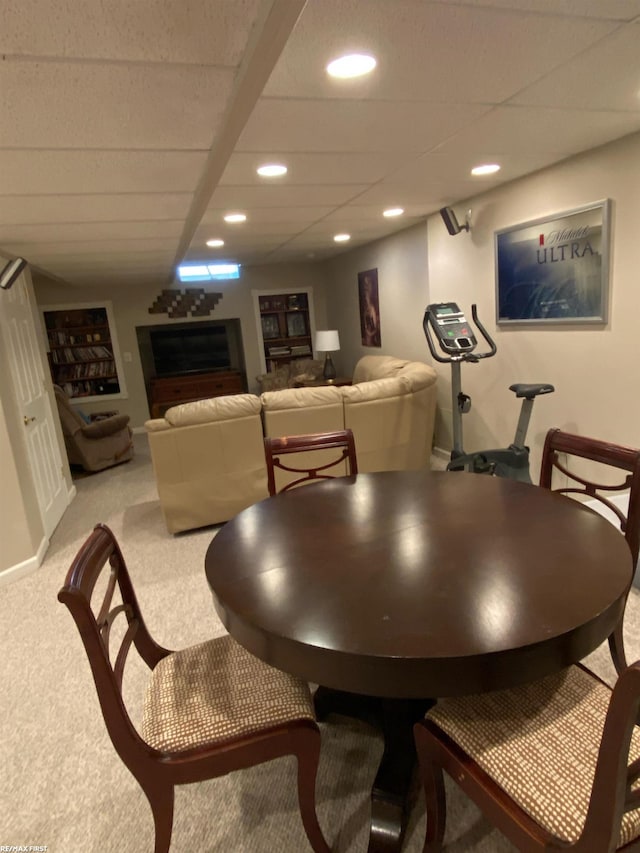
[{"x": 27, "y": 370}]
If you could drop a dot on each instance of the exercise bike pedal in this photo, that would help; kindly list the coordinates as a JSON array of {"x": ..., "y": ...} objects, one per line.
[{"x": 482, "y": 465}]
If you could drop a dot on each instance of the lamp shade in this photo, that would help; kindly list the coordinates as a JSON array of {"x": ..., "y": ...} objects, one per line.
[{"x": 327, "y": 341}]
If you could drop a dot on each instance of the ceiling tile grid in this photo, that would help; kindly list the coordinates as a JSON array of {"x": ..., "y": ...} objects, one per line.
[{"x": 126, "y": 132}]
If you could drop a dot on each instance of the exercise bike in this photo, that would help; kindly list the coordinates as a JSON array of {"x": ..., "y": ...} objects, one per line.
[{"x": 454, "y": 334}]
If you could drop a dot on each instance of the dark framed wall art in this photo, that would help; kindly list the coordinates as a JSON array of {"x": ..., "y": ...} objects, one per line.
[
  {"x": 555, "y": 269},
  {"x": 369, "y": 308}
]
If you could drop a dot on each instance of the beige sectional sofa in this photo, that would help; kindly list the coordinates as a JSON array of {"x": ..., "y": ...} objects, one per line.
[{"x": 208, "y": 456}]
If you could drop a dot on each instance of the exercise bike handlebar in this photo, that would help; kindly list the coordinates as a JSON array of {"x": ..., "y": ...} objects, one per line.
[
  {"x": 492, "y": 344},
  {"x": 462, "y": 356}
]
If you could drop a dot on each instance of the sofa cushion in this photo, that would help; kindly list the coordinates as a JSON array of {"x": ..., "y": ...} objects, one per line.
[
  {"x": 213, "y": 409},
  {"x": 300, "y": 398},
  {"x": 377, "y": 367}
]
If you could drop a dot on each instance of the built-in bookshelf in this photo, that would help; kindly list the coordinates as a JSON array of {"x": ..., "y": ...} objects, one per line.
[
  {"x": 81, "y": 351},
  {"x": 285, "y": 325}
]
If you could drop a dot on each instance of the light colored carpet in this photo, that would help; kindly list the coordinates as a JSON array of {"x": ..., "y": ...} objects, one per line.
[{"x": 63, "y": 784}]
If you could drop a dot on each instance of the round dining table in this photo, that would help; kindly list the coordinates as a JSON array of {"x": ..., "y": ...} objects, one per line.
[{"x": 392, "y": 589}]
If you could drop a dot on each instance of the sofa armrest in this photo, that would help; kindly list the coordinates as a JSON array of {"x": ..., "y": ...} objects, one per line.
[{"x": 105, "y": 427}]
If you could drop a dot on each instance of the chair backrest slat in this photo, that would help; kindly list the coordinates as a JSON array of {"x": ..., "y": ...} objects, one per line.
[
  {"x": 108, "y": 596},
  {"x": 339, "y": 440}
]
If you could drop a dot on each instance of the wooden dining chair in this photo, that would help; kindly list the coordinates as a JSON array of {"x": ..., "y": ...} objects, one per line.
[
  {"x": 561, "y": 449},
  {"x": 341, "y": 440},
  {"x": 209, "y": 709},
  {"x": 554, "y": 764}
]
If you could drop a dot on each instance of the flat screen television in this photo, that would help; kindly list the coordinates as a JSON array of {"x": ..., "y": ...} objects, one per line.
[{"x": 197, "y": 349}]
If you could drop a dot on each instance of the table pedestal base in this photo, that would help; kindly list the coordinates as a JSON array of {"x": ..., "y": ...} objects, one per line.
[{"x": 390, "y": 795}]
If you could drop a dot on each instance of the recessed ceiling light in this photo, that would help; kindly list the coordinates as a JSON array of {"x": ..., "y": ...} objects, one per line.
[
  {"x": 272, "y": 170},
  {"x": 393, "y": 211},
  {"x": 215, "y": 244},
  {"x": 235, "y": 217},
  {"x": 351, "y": 65},
  {"x": 485, "y": 169},
  {"x": 342, "y": 238}
]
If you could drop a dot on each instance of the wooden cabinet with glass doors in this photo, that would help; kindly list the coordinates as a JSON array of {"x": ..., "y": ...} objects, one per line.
[{"x": 286, "y": 331}]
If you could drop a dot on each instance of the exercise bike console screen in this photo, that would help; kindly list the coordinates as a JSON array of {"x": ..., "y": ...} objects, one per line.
[{"x": 451, "y": 328}]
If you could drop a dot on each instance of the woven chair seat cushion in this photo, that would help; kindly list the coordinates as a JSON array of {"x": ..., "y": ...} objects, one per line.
[
  {"x": 215, "y": 692},
  {"x": 540, "y": 744}
]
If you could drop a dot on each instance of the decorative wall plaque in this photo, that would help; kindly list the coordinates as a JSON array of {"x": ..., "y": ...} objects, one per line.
[{"x": 193, "y": 300}]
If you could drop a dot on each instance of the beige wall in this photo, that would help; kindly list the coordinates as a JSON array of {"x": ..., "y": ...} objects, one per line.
[
  {"x": 130, "y": 309},
  {"x": 593, "y": 369},
  {"x": 402, "y": 264}
]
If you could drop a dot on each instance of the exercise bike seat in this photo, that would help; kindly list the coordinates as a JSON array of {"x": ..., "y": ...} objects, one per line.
[{"x": 521, "y": 389}]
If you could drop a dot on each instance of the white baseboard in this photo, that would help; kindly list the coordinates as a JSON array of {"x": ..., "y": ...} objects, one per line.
[
  {"x": 440, "y": 458},
  {"x": 27, "y": 567},
  {"x": 440, "y": 453}
]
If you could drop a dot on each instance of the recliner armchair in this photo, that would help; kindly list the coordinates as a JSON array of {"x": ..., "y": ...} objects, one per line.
[{"x": 96, "y": 445}]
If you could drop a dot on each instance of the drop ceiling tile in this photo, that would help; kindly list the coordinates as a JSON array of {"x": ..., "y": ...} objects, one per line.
[
  {"x": 125, "y": 207},
  {"x": 242, "y": 241},
  {"x": 433, "y": 180},
  {"x": 121, "y": 278},
  {"x": 289, "y": 254},
  {"x": 90, "y": 258},
  {"x": 356, "y": 126},
  {"x": 90, "y": 231},
  {"x": 69, "y": 105},
  {"x": 621, "y": 10},
  {"x": 317, "y": 168},
  {"x": 326, "y": 230},
  {"x": 444, "y": 167},
  {"x": 422, "y": 197},
  {"x": 616, "y": 86},
  {"x": 537, "y": 129},
  {"x": 373, "y": 213},
  {"x": 202, "y": 32},
  {"x": 91, "y": 247},
  {"x": 67, "y": 269},
  {"x": 286, "y": 215},
  {"x": 35, "y": 171},
  {"x": 448, "y": 53},
  {"x": 231, "y": 250},
  {"x": 243, "y": 198}
]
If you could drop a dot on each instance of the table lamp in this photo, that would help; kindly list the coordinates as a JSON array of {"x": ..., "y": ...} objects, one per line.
[{"x": 328, "y": 342}]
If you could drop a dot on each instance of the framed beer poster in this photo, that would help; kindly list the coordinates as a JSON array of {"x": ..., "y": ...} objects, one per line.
[{"x": 555, "y": 269}]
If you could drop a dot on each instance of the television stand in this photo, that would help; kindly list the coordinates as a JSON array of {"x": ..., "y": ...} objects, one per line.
[{"x": 168, "y": 391}]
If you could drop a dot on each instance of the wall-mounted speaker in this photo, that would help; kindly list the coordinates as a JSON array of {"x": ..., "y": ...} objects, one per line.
[
  {"x": 450, "y": 220},
  {"x": 11, "y": 272}
]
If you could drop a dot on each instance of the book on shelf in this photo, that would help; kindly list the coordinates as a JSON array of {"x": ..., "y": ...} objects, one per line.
[
  {"x": 275, "y": 351},
  {"x": 301, "y": 349}
]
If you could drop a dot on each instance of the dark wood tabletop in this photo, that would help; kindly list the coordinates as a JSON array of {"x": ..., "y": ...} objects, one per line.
[{"x": 413, "y": 585}]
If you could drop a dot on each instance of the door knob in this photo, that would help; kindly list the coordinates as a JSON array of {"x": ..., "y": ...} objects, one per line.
[{"x": 27, "y": 420}]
